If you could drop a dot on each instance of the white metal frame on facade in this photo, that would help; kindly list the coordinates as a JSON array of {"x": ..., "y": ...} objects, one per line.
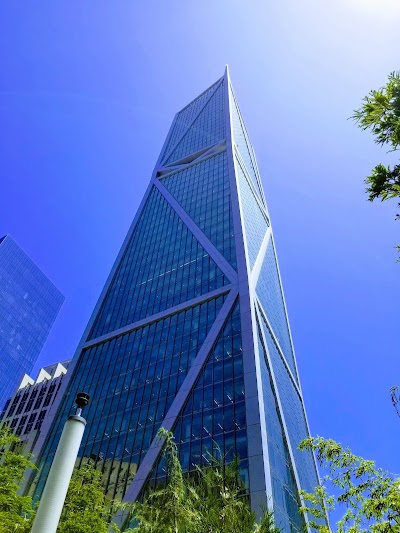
[{"x": 259, "y": 478}]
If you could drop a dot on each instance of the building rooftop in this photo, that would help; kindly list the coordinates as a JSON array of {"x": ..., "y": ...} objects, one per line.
[{"x": 45, "y": 373}]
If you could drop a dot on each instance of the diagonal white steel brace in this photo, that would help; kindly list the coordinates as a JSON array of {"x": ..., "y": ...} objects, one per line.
[
  {"x": 280, "y": 409},
  {"x": 192, "y": 159},
  {"x": 215, "y": 254},
  {"x": 255, "y": 273},
  {"x": 249, "y": 146},
  {"x": 263, "y": 314},
  {"x": 251, "y": 185},
  {"x": 187, "y": 304},
  {"x": 255, "y": 276},
  {"x": 167, "y": 154},
  {"x": 174, "y": 411}
]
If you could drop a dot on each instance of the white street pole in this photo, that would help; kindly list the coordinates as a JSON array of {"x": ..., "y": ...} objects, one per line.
[{"x": 55, "y": 490}]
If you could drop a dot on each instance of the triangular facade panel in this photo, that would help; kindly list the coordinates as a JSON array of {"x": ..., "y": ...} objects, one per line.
[
  {"x": 255, "y": 223},
  {"x": 243, "y": 145},
  {"x": 185, "y": 117},
  {"x": 206, "y": 130},
  {"x": 269, "y": 292},
  {"x": 285, "y": 494},
  {"x": 163, "y": 266},
  {"x": 293, "y": 413},
  {"x": 203, "y": 191}
]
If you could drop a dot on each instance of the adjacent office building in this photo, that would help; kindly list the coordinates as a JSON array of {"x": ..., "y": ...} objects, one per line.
[
  {"x": 29, "y": 304},
  {"x": 191, "y": 330},
  {"x": 29, "y": 405}
]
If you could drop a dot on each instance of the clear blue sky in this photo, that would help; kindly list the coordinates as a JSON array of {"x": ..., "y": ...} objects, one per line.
[{"x": 87, "y": 94}]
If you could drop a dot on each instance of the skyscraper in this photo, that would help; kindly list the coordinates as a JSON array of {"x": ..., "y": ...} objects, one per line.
[
  {"x": 191, "y": 330},
  {"x": 29, "y": 304}
]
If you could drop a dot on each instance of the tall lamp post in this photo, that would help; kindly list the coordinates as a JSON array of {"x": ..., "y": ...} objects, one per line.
[{"x": 55, "y": 490}]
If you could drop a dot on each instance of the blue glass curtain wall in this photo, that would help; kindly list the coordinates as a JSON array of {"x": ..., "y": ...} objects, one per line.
[
  {"x": 254, "y": 221},
  {"x": 29, "y": 305},
  {"x": 203, "y": 191},
  {"x": 243, "y": 146},
  {"x": 293, "y": 412},
  {"x": 186, "y": 117},
  {"x": 269, "y": 292},
  {"x": 285, "y": 495},
  {"x": 132, "y": 381},
  {"x": 163, "y": 266},
  {"x": 213, "y": 421},
  {"x": 207, "y": 129}
]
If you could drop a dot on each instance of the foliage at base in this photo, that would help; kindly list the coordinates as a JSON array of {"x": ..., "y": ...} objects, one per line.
[
  {"x": 86, "y": 509},
  {"x": 212, "y": 500},
  {"x": 16, "y": 512},
  {"x": 370, "y": 496}
]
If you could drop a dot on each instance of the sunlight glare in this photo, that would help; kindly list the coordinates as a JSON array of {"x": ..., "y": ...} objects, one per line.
[{"x": 374, "y": 7}]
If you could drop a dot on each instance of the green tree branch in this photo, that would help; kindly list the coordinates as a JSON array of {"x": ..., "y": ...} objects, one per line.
[
  {"x": 370, "y": 496},
  {"x": 380, "y": 113},
  {"x": 16, "y": 512}
]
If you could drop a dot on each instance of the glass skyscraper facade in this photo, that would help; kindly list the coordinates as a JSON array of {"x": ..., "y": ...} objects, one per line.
[
  {"x": 191, "y": 330},
  {"x": 29, "y": 304}
]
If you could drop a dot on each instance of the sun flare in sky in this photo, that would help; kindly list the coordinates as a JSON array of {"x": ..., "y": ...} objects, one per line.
[{"x": 376, "y": 7}]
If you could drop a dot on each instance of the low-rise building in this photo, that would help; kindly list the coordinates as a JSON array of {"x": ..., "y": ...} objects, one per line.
[{"x": 25, "y": 411}]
